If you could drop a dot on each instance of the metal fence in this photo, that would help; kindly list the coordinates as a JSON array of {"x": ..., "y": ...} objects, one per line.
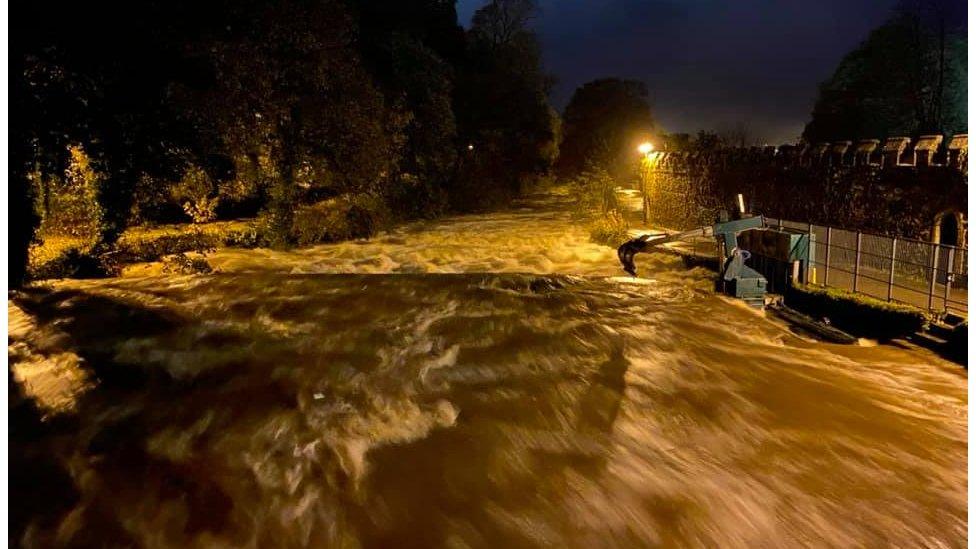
[{"x": 930, "y": 276}]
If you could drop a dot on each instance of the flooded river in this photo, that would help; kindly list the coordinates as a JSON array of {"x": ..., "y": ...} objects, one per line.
[{"x": 480, "y": 381}]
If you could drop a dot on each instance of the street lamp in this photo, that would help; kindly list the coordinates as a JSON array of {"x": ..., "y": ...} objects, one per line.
[{"x": 645, "y": 149}]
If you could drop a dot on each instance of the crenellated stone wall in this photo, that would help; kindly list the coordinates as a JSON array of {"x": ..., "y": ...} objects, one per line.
[{"x": 897, "y": 186}]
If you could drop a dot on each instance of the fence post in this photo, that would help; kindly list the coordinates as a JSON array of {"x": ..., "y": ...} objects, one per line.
[
  {"x": 857, "y": 261},
  {"x": 810, "y": 252},
  {"x": 891, "y": 271},
  {"x": 826, "y": 280},
  {"x": 935, "y": 271},
  {"x": 948, "y": 280}
]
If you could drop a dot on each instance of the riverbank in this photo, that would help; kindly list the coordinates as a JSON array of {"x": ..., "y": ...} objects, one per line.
[{"x": 72, "y": 257}]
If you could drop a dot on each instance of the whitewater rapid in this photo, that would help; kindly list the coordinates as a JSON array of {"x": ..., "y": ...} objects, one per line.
[{"x": 469, "y": 382}]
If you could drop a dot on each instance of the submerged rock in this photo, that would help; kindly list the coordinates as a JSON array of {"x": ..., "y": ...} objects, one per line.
[{"x": 182, "y": 264}]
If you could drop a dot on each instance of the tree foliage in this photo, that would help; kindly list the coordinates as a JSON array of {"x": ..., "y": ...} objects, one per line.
[
  {"x": 412, "y": 49},
  {"x": 603, "y": 123},
  {"x": 191, "y": 110},
  {"x": 907, "y": 78},
  {"x": 502, "y": 106}
]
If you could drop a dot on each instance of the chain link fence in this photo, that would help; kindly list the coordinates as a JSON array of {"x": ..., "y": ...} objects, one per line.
[{"x": 930, "y": 276}]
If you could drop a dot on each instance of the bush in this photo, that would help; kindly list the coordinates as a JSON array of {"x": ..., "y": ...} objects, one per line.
[
  {"x": 151, "y": 244},
  {"x": 593, "y": 193},
  {"x": 240, "y": 196},
  {"x": 411, "y": 198},
  {"x": 69, "y": 206},
  {"x": 202, "y": 210},
  {"x": 152, "y": 202},
  {"x": 538, "y": 184},
  {"x": 55, "y": 256},
  {"x": 610, "y": 229},
  {"x": 197, "y": 194},
  {"x": 370, "y": 214},
  {"x": 341, "y": 218},
  {"x": 249, "y": 235},
  {"x": 857, "y": 314},
  {"x": 69, "y": 257}
]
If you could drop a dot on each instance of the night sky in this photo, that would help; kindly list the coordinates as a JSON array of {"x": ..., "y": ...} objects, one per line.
[{"x": 709, "y": 64}]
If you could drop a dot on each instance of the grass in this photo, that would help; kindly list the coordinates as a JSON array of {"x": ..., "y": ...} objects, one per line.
[
  {"x": 857, "y": 314},
  {"x": 52, "y": 255},
  {"x": 610, "y": 229},
  {"x": 65, "y": 256},
  {"x": 332, "y": 220},
  {"x": 151, "y": 243}
]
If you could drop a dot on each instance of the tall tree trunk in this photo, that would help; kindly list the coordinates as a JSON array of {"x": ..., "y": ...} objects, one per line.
[
  {"x": 22, "y": 221},
  {"x": 283, "y": 191},
  {"x": 21, "y": 224}
]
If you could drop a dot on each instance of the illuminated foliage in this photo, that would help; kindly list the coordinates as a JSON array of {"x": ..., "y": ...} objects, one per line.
[
  {"x": 70, "y": 204},
  {"x": 193, "y": 111},
  {"x": 197, "y": 194}
]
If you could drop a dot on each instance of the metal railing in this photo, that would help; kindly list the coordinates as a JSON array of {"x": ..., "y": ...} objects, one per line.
[{"x": 930, "y": 276}]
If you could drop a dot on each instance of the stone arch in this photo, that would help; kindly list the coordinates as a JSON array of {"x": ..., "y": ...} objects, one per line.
[{"x": 949, "y": 228}]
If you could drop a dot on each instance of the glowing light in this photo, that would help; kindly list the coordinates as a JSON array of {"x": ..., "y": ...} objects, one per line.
[
  {"x": 470, "y": 147},
  {"x": 645, "y": 148}
]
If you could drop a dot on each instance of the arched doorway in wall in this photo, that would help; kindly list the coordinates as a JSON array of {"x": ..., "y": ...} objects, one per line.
[{"x": 949, "y": 229}]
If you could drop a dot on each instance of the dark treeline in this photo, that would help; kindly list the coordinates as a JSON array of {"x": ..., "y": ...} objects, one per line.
[
  {"x": 288, "y": 110},
  {"x": 909, "y": 77}
]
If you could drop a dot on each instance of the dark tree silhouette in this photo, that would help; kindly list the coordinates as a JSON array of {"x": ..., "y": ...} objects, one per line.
[
  {"x": 502, "y": 107},
  {"x": 907, "y": 78},
  {"x": 603, "y": 123}
]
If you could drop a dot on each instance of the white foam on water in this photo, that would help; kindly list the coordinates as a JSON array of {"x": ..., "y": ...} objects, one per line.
[
  {"x": 55, "y": 379},
  {"x": 480, "y": 380},
  {"x": 632, "y": 280}
]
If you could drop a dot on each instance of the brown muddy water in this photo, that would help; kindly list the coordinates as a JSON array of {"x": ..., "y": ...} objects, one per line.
[{"x": 479, "y": 381}]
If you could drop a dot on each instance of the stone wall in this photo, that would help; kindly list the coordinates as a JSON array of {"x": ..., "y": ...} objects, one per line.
[{"x": 899, "y": 186}]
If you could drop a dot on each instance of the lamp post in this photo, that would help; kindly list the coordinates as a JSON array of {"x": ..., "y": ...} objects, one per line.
[{"x": 645, "y": 149}]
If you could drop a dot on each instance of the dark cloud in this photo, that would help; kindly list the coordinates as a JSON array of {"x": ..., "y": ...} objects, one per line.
[{"x": 708, "y": 63}]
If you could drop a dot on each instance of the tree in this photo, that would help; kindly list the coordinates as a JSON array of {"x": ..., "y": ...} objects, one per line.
[
  {"x": 22, "y": 222},
  {"x": 675, "y": 141},
  {"x": 72, "y": 85},
  {"x": 79, "y": 88},
  {"x": 502, "y": 104},
  {"x": 907, "y": 78},
  {"x": 410, "y": 48},
  {"x": 706, "y": 141},
  {"x": 503, "y": 23},
  {"x": 737, "y": 135},
  {"x": 602, "y": 124},
  {"x": 282, "y": 102},
  {"x": 290, "y": 94}
]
